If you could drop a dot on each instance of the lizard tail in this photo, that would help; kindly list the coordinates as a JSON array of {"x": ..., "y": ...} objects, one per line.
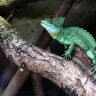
[
  {"x": 92, "y": 55},
  {"x": 94, "y": 61}
]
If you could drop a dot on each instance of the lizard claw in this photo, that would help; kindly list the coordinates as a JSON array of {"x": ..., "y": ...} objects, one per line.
[
  {"x": 66, "y": 55},
  {"x": 93, "y": 71}
]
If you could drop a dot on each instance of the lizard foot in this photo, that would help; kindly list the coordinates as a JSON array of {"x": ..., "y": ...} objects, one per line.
[
  {"x": 66, "y": 55},
  {"x": 93, "y": 70},
  {"x": 92, "y": 73}
]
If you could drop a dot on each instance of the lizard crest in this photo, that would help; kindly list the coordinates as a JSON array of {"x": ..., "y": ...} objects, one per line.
[{"x": 53, "y": 26}]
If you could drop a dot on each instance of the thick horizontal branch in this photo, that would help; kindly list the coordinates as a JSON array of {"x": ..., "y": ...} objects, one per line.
[{"x": 61, "y": 72}]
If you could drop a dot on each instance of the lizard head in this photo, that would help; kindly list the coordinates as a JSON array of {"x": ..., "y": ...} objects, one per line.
[{"x": 53, "y": 26}]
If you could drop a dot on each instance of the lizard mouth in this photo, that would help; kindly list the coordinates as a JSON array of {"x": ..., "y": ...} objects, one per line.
[{"x": 44, "y": 23}]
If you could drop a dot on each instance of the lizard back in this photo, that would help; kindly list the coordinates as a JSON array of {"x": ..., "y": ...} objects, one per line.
[{"x": 78, "y": 36}]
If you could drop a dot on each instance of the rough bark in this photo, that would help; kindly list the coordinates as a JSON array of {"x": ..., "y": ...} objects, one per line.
[{"x": 61, "y": 72}]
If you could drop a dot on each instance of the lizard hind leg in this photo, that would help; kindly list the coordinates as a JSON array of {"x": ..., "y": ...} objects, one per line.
[
  {"x": 90, "y": 54},
  {"x": 93, "y": 71}
]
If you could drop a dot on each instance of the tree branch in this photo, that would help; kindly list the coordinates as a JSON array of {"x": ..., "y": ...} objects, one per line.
[
  {"x": 61, "y": 72},
  {"x": 12, "y": 91}
]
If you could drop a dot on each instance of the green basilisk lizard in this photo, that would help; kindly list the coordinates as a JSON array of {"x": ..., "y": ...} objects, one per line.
[{"x": 71, "y": 36}]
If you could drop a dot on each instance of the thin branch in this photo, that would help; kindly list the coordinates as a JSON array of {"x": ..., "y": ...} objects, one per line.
[
  {"x": 37, "y": 85},
  {"x": 11, "y": 14},
  {"x": 64, "y": 7},
  {"x": 13, "y": 87}
]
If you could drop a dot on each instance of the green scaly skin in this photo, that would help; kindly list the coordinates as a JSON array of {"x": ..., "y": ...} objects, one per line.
[{"x": 71, "y": 36}]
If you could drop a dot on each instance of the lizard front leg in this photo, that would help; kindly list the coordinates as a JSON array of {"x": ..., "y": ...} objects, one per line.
[
  {"x": 67, "y": 53},
  {"x": 65, "y": 46}
]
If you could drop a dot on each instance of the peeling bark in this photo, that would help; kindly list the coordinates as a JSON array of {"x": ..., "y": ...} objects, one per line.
[{"x": 57, "y": 69}]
